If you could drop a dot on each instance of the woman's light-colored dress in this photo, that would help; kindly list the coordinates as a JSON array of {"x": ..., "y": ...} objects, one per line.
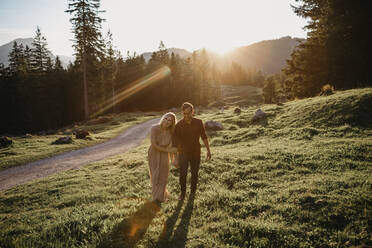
[{"x": 159, "y": 163}]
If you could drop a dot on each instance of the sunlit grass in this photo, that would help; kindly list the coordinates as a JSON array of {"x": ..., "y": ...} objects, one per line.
[{"x": 289, "y": 182}]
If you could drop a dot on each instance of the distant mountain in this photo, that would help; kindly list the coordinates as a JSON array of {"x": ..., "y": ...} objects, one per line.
[
  {"x": 269, "y": 56},
  {"x": 65, "y": 60},
  {"x": 177, "y": 51},
  {"x": 7, "y": 48}
]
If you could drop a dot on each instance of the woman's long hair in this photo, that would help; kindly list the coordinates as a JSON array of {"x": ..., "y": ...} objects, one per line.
[{"x": 174, "y": 118}]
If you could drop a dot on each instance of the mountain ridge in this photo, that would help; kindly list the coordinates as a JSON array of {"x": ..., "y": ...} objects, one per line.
[
  {"x": 268, "y": 56},
  {"x": 6, "y": 48}
]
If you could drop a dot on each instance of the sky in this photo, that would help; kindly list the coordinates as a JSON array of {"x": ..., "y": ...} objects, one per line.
[{"x": 139, "y": 25}]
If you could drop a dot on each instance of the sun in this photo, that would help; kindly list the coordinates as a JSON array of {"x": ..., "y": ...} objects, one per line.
[{"x": 221, "y": 49}]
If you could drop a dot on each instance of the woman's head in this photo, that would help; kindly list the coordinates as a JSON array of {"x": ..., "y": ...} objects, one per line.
[{"x": 168, "y": 121}]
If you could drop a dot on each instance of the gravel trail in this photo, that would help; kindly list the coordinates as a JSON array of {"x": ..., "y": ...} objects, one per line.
[{"x": 130, "y": 138}]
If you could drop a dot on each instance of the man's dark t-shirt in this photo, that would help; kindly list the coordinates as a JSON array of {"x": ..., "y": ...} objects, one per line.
[{"x": 187, "y": 136}]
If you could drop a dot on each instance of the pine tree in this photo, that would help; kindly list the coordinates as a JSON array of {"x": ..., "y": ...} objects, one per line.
[
  {"x": 39, "y": 53},
  {"x": 27, "y": 58},
  {"x": 49, "y": 65},
  {"x": 337, "y": 50},
  {"x": 162, "y": 53},
  {"x": 88, "y": 43},
  {"x": 3, "y": 71},
  {"x": 16, "y": 59},
  {"x": 111, "y": 66},
  {"x": 58, "y": 65},
  {"x": 268, "y": 90}
]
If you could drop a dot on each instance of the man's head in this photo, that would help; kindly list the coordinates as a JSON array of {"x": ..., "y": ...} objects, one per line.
[{"x": 187, "y": 111}]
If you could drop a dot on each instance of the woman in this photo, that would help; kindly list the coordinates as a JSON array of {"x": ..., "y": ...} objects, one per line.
[{"x": 160, "y": 154}]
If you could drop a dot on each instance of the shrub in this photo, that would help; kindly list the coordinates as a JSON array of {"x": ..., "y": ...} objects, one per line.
[{"x": 326, "y": 90}]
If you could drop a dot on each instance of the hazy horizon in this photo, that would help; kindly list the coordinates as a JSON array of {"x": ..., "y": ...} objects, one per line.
[{"x": 139, "y": 26}]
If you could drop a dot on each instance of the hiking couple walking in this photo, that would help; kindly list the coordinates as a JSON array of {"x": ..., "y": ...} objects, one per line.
[{"x": 176, "y": 143}]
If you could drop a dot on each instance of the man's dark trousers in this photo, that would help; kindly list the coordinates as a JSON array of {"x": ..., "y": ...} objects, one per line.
[{"x": 184, "y": 161}]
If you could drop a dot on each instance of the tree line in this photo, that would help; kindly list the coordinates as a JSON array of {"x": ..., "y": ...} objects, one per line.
[
  {"x": 337, "y": 50},
  {"x": 37, "y": 93}
]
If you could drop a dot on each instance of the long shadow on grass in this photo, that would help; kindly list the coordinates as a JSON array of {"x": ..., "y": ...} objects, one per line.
[
  {"x": 131, "y": 230},
  {"x": 180, "y": 234}
]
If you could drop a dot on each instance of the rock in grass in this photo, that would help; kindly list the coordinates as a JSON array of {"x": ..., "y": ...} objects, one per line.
[
  {"x": 258, "y": 116},
  {"x": 5, "y": 142},
  {"x": 63, "y": 140},
  {"x": 27, "y": 136},
  {"x": 237, "y": 111},
  {"x": 213, "y": 126},
  {"x": 81, "y": 134}
]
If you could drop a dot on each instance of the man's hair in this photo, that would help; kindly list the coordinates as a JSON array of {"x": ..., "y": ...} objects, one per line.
[{"x": 186, "y": 105}]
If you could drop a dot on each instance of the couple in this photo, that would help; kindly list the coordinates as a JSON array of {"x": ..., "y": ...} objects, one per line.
[{"x": 179, "y": 144}]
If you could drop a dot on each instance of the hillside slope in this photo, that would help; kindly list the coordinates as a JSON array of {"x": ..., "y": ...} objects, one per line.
[
  {"x": 241, "y": 96},
  {"x": 269, "y": 56},
  {"x": 300, "y": 178}
]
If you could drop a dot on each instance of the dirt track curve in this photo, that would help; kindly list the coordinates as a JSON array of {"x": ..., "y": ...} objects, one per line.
[{"x": 130, "y": 138}]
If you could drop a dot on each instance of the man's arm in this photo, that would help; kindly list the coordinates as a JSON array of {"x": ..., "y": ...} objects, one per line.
[{"x": 205, "y": 141}]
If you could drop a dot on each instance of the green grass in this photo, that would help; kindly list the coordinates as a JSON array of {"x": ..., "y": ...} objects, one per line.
[
  {"x": 33, "y": 147},
  {"x": 293, "y": 181},
  {"x": 241, "y": 95}
]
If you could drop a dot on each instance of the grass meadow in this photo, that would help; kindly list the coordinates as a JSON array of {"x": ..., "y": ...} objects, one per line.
[
  {"x": 302, "y": 178},
  {"x": 31, "y": 147}
]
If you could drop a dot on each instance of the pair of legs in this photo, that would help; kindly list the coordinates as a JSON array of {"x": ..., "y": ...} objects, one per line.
[{"x": 186, "y": 160}]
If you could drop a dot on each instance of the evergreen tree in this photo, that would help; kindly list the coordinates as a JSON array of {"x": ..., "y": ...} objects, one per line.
[
  {"x": 111, "y": 66},
  {"x": 88, "y": 43},
  {"x": 337, "y": 49},
  {"x": 27, "y": 58},
  {"x": 2, "y": 71},
  {"x": 162, "y": 54},
  {"x": 202, "y": 68},
  {"x": 58, "y": 65},
  {"x": 259, "y": 79},
  {"x": 39, "y": 53},
  {"x": 268, "y": 90},
  {"x": 16, "y": 59},
  {"x": 49, "y": 65}
]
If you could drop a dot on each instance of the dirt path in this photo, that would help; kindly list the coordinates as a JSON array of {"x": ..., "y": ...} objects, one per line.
[{"x": 71, "y": 160}]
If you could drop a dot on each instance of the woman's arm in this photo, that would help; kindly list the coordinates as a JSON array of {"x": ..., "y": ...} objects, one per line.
[{"x": 155, "y": 145}]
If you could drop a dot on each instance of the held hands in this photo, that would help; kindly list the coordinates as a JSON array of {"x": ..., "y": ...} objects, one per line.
[{"x": 172, "y": 149}]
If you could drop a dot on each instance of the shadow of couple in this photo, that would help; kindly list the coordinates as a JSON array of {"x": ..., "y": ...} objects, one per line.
[{"x": 131, "y": 230}]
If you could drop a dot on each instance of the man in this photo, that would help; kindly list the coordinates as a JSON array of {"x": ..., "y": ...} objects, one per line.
[{"x": 187, "y": 133}]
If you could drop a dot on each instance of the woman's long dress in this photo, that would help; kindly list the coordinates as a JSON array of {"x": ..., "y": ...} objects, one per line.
[{"x": 159, "y": 163}]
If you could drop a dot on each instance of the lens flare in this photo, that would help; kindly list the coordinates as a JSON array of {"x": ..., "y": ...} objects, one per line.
[{"x": 134, "y": 88}]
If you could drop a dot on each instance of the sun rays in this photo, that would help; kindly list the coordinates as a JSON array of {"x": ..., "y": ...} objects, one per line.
[{"x": 134, "y": 88}]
